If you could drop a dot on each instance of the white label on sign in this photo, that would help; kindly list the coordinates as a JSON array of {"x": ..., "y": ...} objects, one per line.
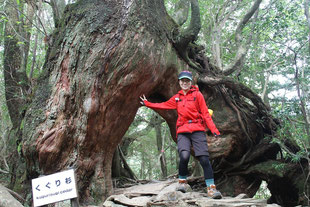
[{"x": 53, "y": 188}]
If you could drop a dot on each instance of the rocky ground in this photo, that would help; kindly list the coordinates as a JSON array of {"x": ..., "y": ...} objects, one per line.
[
  {"x": 154, "y": 194},
  {"x": 163, "y": 194}
]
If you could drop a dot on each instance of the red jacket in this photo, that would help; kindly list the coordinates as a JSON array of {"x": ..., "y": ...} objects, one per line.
[{"x": 193, "y": 115}]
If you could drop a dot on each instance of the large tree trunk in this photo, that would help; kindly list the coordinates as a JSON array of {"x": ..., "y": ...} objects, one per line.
[{"x": 104, "y": 55}]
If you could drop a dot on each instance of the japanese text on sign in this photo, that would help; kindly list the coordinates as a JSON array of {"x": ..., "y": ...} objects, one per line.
[{"x": 53, "y": 188}]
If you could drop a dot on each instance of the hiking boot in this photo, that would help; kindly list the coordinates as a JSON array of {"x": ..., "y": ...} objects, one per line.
[
  {"x": 213, "y": 193},
  {"x": 183, "y": 186}
]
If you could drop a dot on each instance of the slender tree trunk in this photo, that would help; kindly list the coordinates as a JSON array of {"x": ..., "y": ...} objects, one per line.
[
  {"x": 149, "y": 171},
  {"x": 34, "y": 57},
  {"x": 26, "y": 31},
  {"x": 15, "y": 78},
  {"x": 161, "y": 153},
  {"x": 306, "y": 6},
  {"x": 142, "y": 175},
  {"x": 58, "y": 7},
  {"x": 126, "y": 171},
  {"x": 15, "y": 81},
  {"x": 172, "y": 163},
  {"x": 301, "y": 100},
  {"x": 264, "y": 93},
  {"x": 116, "y": 165},
  {"x": 216, "y": 39},
  {"x": 34, "y": 52}
]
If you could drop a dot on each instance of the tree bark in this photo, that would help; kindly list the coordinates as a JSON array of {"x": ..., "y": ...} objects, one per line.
[{"x": 90, "y": 74}]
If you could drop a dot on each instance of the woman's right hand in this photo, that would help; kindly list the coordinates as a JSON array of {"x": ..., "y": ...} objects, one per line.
[{"x": 143, "y": 99}]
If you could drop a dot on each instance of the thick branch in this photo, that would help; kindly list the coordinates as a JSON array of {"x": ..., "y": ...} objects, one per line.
[
  {"x": 242, "y": 47},
  {"x": 182, "y": 40},
  {"x": 238, "y": 61},
  {"x": 240, "y": 88},
  {"x": 246, "y": 19},
  {"x": 270, "y": 168},
  {"x": 192, "y": 31},
  {"x": 273, "y": 64},
  {"x": 219, "y": 23}
]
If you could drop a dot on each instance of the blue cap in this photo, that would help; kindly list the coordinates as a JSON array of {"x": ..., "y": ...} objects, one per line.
[{"x": 186, "y": 74}]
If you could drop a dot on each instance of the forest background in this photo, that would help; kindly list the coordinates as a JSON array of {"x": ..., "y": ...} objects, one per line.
[{"x": 275, "y": 65}]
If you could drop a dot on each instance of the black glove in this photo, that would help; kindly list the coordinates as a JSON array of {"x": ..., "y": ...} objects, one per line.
[{"x": 215, "y": 134}]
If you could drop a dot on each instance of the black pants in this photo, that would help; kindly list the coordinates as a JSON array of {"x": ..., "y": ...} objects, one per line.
[
  {"x": 199, "y": 143},
  {"x": 204, "y": 161}
]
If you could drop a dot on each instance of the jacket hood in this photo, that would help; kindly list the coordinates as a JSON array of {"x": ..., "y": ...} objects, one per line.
[{"x": 191, "y": 90}]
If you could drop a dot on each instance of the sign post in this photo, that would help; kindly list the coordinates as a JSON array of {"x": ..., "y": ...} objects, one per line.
[{"x": 54, "y": 188}]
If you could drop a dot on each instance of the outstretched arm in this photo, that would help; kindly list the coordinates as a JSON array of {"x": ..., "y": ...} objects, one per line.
[{"x": 170, "y": 104}]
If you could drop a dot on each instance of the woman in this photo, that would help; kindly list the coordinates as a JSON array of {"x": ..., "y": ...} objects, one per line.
[{"x": 193, "y": 118}]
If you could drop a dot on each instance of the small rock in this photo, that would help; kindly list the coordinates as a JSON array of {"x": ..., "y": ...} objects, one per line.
[
  {"x": 242, "y": 196},
  {"x": 111, "y": 204},
  {"x": 6, "y": 199}
]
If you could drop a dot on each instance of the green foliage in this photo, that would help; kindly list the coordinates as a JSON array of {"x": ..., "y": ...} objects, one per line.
[
  {"x": 19, "y": 148},
  {"x": 263, "y": 192},
  {"x": 143, "y": 156},
  {"x": 293, "y": 129},
  {"x": 278, "y": 58},
  {"x": 35, "y": 60}
]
